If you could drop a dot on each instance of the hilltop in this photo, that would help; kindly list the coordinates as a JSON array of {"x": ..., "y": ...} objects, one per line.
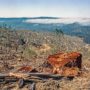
[
  {"x": 32, "y": 48},
  {"x": 71, "y": 26}
]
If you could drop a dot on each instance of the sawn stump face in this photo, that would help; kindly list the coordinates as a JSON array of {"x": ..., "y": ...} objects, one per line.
[{"x": 66, "y": 64}]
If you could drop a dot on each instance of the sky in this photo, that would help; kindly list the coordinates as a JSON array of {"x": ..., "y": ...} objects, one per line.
[{"x": 53, "y": 8}]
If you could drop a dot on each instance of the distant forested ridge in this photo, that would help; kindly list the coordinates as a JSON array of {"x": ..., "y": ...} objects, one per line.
[{"x": 73, "y": 29}]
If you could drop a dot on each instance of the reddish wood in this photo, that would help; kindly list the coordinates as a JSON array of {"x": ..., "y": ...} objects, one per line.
[
  {"x": 61, "y": 60},
  {"x": 25, "y": 68}
]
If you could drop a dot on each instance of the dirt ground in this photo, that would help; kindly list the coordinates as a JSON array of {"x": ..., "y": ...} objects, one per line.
[{"x": 33, "y": 51}]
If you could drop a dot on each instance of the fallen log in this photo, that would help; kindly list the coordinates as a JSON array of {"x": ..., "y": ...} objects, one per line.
[
  {"x": 32, "y": 86},
  {"x": 34, "y": 75},
  {"x": 43, "y": 75},
  {"x": 23, "y": 78},
  {"x": 3, "y": 75},
  {"x": 21, "y": 83},
  {"x": 31, "y": 77}
]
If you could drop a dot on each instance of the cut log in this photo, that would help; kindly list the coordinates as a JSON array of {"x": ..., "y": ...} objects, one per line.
[
  {"x": 26, "y": 75},
  {"x": 3, "y": 75},
  {"x": 43, "y": 75},
  {"x": 19, "y": 75},
  {"x": 21, "y": 83},
  {"x": 32, "y": 86}
]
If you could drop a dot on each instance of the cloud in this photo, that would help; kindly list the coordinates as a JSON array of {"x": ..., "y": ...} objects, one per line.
[{"x": 60, "y": 20}]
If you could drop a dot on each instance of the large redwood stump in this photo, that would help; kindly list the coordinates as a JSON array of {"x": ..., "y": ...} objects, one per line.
[{"x": 63, "y": 62}]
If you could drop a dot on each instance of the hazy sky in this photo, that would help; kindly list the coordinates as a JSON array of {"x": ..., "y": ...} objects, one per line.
[{"x": 33, "y": 8}]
